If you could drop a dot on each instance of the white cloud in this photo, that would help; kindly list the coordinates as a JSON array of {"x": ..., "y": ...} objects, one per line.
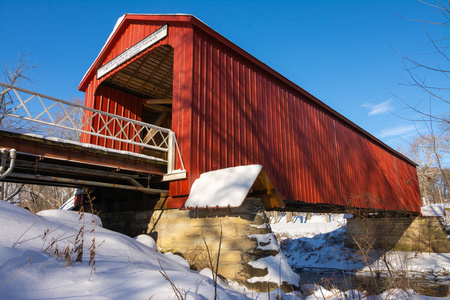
[
  {"x": 396, "y": 131},
  {"x": 380, "y": 108}
]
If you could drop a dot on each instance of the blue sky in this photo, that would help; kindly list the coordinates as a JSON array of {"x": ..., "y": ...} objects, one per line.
[{"x": 343, "y": 52}]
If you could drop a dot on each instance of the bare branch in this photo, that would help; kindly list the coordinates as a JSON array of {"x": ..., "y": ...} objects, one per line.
[
  {"x": 430, "y": 150},
  {"x": 14, "y": 194}
]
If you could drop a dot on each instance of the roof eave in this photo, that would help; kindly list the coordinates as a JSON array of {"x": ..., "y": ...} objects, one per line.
[{"x": 127, "y": 18}]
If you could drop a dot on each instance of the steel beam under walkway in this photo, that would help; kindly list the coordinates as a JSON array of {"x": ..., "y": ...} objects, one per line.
[{"x": 52, "y": 162}]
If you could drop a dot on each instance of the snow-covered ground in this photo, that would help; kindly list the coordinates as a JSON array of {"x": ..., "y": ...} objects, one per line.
[
  {"x": 436, "y": 210},
  {"x": 126, "y": 268},
  {"x": 318, "y": 244},
  {"x": 32, "y": 263}
]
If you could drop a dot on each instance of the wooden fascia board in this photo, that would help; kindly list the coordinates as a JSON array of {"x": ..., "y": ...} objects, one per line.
[{"x": 128, "y": 18}]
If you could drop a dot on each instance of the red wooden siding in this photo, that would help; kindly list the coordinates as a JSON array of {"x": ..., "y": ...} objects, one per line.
[
  {"x": 244, "y": 115},
  {"x": 118, "y": 103},
  {"x": 230, "y": 109}
]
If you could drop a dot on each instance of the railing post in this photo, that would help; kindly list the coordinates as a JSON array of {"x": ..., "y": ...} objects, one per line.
[{"x": 171, "y": 153}]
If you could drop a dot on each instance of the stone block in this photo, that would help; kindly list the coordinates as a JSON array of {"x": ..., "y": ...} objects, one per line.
[
  {"x": 425, "y": 234},
  {"x": 186, "y": 231},
  {"x": 143, "y": 215}
]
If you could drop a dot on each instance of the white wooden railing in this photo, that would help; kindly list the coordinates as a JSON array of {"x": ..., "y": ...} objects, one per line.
[{"x": 20, "y": 108}]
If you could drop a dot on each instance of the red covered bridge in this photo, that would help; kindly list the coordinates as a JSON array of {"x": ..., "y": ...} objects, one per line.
[{"x": 229, "y": 109}]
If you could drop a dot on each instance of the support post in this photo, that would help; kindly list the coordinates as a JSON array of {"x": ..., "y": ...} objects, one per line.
[
  {"x": 171, "y": 154},
  {"x": 288, "y": 216}
]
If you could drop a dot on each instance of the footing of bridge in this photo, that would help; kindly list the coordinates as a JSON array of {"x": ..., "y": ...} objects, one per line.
[
  {"x": 242, "y": 235},
  {"x": 424, "y": 234}
]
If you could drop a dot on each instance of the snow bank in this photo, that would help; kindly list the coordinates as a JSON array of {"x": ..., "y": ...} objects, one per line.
[
  {"x": 412, "y": 264},
  {"x": 125, "y": 268},
  {"x": 129, "y": 268},
  {"x": 147, "y": 241},
  {"x": 434, "y": 210},
  {"x": 317, "y": 292},
  {"x": 300, "y": 227},
  {"x": 69, "y": 217},
  {"x": 278, "y": 268},
  {"x": 316, "y": 243}
]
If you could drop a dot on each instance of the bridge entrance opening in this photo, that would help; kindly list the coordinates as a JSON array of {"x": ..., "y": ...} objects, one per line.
[{"x": 150, "y": 78}]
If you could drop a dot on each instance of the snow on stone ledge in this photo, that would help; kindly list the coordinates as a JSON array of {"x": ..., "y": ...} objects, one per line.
[
  {"x": 266, "y": 241},
  {"x": 223, "y": 188},
  {"x": 278, "y": 270}
]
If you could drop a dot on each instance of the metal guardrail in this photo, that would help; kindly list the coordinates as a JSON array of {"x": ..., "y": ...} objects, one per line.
[{"x": 28, "y": 106}]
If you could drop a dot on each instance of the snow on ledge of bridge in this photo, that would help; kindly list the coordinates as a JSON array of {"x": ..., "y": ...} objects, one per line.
[
  {"x": 84, "y": 145},
  {"x": 223, "y": 188}
]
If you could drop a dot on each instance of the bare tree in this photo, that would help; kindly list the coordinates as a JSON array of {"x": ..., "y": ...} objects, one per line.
[
  {"x": 14, "y": 75},
  {"x": 434, "y": 146},
  {"x": 426, "y": 150},
  {"x": 34, "y": 197},
  {"x": 61, "y": 118}
]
